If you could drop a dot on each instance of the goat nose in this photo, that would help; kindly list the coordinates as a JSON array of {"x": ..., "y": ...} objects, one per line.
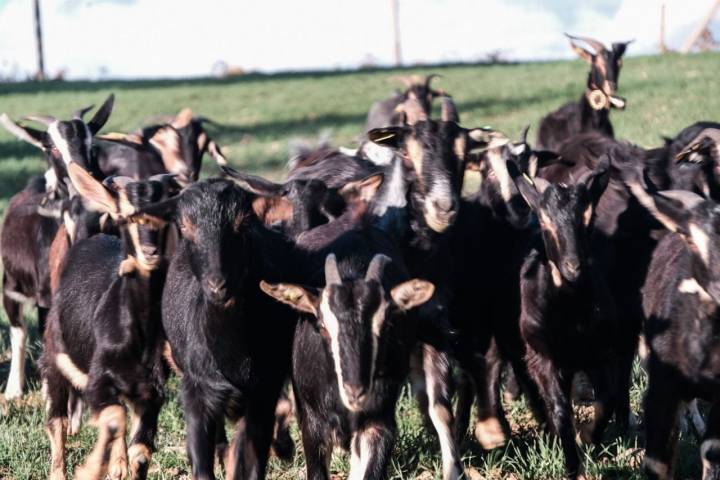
[
  {"x": 216, "y": 285},
  {"x": 572, "y": 268},
  {"x": 444, "y": 205},
  {"x": 356, "y": 394}
]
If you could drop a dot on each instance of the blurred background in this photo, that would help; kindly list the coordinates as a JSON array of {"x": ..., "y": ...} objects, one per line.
[{"x": 102, "y": 39}]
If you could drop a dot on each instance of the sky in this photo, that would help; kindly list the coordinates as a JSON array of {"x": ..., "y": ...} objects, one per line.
[{"x": 94, "y": 39}]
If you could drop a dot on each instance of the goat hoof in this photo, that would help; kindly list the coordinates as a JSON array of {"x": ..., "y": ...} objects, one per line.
[
  {"x": 139, "y": 456},
  {"x": 489, "y": 433},
  {"x": 118, "y": 469},
  {"x": 13, "y": 392},
  {"x": 57, "y": 474}
]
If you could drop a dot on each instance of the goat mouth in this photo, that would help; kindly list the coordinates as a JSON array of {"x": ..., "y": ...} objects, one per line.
[{"x": 617, "y": 102}]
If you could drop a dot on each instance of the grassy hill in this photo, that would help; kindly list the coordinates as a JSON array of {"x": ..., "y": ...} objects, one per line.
[{"x": 260, "y": 115}]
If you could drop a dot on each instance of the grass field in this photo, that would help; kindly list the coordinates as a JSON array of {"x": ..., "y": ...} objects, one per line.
[{"x": 260, "y": 115}]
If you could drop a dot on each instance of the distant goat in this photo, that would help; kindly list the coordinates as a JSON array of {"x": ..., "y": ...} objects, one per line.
[
  {"x": 592, "y": 111},
  {"x": 385, "y": 113}
]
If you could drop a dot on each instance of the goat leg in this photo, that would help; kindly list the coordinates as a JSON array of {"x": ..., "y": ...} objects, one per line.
[
  {"x": 661, "y": 407},
  {"x": 438, "y": 381}
]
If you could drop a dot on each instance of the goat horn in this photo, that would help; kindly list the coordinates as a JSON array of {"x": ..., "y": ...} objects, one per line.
[
  {"x": 524, "y": 133},
  {"x": 429, "y": 78},
  {"x": 44, "y": 119},
  {"x": 414, "y": 111},
  {"x": 79, "y": 114},
  {"x": 183, "y": 118},
  {"x": 597, "y": 46},
  {"x": 376, "y": 267},
  {"x": 448, "y": 111},
  {"x": 332, "y": 274}
]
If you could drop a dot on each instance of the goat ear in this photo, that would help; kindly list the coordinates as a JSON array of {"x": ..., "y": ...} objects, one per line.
[
  {"x": 672, "y": 209},
  {"x": 364, "y": 189},
  {"x": 412, "y": 293},
  {"x": 387, "y": 137},
  {"x": 34, "y": 137},
  {"x": 582, "y": 53},
  {"x": 299, "y": 298},
  {"x": 620, "y": 47},
  {"x": 183, "y": 118},
  {"x": 254, "y": 183},
  {"x": 102, "y": 115},
  {"x": 99, "y": 197}
]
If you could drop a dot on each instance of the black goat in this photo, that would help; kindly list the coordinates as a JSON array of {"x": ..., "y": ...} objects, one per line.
[
  {"x": 495, "y": 219},
  {"x": 567, "y": 319},
  {"x": 104, "y": 336},
  {"x": 175, "y": 147},
  {"x": 30, "y": 225},
  {"x": 293, "y": 207},
  {"x": 233, "y": 362},
  {"x": 592, "y": 111},
  {"x": 356, "y": 338},
  {"x": 681, "y": 298},
  {"x": 385, "y": 113}
]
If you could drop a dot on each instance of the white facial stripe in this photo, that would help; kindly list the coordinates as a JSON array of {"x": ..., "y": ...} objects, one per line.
[
  {"x": 501, "y": 173},
  {"x": 701, "y": 241},
  {"x": 332, "y": 325},
  {"x": 88, "y": 138},
  {"x": 60, "y": 143}
]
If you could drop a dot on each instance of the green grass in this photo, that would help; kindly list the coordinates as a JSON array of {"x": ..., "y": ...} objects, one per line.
[{"x": 260, "y": 115}]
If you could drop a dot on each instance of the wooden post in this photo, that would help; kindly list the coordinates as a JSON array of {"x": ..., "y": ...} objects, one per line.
[
  {"x": 662, "y": 46},
  {"x": 396, "y": 30},
  {"x": 38, "y": 37},
  {"x": 701, "y": 28}
]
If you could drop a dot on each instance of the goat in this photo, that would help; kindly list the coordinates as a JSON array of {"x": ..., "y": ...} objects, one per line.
[
  {"x": 293, "y": 207},
  {"x": 592, "y": 111},
  {"x": 31, "y": 215},
  {"x": 104, "y": 336},
  {"x": 385, "y": 113},
  {"x": 567, "y": 318},
  {"x": 680, "y": 300},
  {"x": 176, "y": 146},
  {"x": 233, "y": 364},
  {"x": 494, "y": 219},
  {"x": 360, "y": 345}
]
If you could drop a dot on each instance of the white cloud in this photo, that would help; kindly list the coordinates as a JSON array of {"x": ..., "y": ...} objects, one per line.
[{"x": 171, "y": 38}]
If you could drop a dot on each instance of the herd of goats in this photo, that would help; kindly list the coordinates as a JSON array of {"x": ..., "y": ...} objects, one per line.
[{"x": 365, "y": 268}]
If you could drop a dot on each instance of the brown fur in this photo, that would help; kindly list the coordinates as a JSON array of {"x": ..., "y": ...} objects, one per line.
[
  {"x": 56, "y": 258},
  {"x": 271, "y": 210}
]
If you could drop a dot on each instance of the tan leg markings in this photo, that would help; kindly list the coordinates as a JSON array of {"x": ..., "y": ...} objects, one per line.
[
  {"x": 229, "y": 460},
  {"x": 118, "y": 467},
  {"x": 489, "y": 433},
  {"x": 110, "y": 423},
  {"x": 56, "y": 429}
]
